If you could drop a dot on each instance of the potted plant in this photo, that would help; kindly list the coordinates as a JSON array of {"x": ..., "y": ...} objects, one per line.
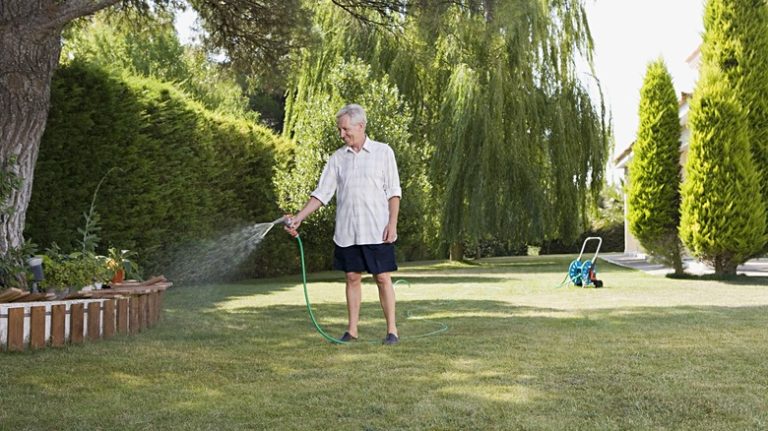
[
  {"x": 120, "y": 264},
  {"x": 73, "y": 271}
]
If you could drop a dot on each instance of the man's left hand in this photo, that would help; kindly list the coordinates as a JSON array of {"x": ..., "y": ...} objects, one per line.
[{"x": 390, "y": 233}]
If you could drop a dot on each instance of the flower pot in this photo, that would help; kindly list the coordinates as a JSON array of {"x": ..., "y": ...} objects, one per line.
[{"x": 119, "y": 276}]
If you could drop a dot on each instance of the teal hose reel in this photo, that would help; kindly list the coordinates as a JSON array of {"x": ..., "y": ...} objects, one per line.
[{"x": 584, "y": 274}]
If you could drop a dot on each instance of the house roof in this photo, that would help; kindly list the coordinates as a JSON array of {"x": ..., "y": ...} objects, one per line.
[
  {"x": 624, "y": 155},
  {"x": 694, "y": 55}
]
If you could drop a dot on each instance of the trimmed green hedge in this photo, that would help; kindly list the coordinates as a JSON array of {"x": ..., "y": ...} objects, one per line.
[{"x": 181, "y": 173}]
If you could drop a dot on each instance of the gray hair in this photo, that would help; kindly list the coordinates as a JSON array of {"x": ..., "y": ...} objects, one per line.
[{"x": 355, "y": 112}]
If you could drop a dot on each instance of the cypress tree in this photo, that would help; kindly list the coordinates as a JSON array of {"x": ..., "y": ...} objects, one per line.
[
  {"x": 722, "y": 223},
  {"x": 736, "y": 42},
  {"x": 654, "y": 174}
]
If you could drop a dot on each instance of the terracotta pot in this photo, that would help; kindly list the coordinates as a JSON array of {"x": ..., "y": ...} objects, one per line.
[{"x": 119, "y": 276}]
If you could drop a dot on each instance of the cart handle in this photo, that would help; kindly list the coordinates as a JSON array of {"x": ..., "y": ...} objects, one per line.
[{"x": 599, "y": 243}]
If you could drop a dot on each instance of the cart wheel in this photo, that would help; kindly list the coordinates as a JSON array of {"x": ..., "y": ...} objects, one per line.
[
  {"x": 598, "y": 283},
  {"x": 574, "y": 272}
]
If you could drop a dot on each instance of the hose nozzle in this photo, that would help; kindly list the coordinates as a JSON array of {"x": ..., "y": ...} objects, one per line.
[{"x": 286, "y": 220}]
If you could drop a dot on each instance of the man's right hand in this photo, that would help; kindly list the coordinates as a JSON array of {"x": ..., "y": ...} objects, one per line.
[
  {"x": 294, "y": 221},
  {"x": 292, "y": 225}
]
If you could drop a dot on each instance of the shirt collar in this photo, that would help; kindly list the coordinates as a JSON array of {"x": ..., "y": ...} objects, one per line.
[{"x": 366, "y": 146}]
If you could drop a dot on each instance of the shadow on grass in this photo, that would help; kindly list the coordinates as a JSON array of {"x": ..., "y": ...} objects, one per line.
[
  {"x": 508, "y": 264},
  {"x": 222, "y": 292},
  {"x": 739, "y": 279}
]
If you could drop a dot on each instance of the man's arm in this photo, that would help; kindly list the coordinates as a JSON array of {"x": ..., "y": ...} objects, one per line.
[
  {"x": 295, "y": 221},
  {"x": 390, "y": 232},
  {"x": 325, "y": 190}
]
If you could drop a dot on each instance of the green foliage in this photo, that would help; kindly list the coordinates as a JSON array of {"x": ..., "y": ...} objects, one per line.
[
  {"x": 73, "y": 270},
  {"x": 123, "y": 260},
  {"x": 736, "y": 42},
  {"x": 147, "y": 45},
  {"x": 723, "y": 223},
  {"x": 610, "y": 208},
  {"x": 518, "y": 144},
  {"x": 90, "y": 231},
  {"x": 258, "y": 37},
  {"x": 606, "y": 222},
  {"x": 185, "y": 174},
  {"x": 14, "y": 269},
  {"x": 653, "y": 193}
]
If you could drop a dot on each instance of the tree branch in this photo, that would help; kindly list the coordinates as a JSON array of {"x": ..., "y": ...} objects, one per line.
[
  {"x": 358, "y": 9},
  {"x": 386, "y": 8},
  {"x": 72, "y": 9}
]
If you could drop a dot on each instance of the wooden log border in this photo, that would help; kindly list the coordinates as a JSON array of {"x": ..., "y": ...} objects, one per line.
[{"x": 38, "y": 325}]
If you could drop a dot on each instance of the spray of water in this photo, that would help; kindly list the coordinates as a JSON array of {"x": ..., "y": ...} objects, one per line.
[{"x": 217, "y": 260}]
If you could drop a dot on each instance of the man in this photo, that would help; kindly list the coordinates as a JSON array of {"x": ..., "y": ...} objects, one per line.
[{"x": 363, "y": 175}]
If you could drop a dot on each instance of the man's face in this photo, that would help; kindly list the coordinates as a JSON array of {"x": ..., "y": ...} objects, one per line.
[{"x": 350, "y": 132}]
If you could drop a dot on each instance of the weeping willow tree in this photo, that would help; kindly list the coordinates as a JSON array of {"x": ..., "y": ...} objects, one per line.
[
  {"x": 521, "y": 142},
  {"x": 515, "y": 146}
]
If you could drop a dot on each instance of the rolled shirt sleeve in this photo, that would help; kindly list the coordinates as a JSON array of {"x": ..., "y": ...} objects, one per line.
[
  {"x": 326, "y": 187},
  {"x": 392, "y": 184}
]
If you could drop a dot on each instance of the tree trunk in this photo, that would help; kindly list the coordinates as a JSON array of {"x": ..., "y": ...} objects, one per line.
[
  {"x": 677, "y": 264},
  {"x": 456, "y": 251},
  {"x": 677, "y": 256},
  {"x": 29, "y": 57},
  {"x": 725, "y": 266},
  {"x": 488, "y": 6},
  {"x": 30, "y": 45}
]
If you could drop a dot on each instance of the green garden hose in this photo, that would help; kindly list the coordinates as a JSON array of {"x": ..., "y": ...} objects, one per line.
[
  {"x": 443, "y": 327},
  {"x": 306, "y": 297}
]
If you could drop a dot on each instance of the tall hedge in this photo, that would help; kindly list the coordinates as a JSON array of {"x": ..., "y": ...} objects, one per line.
[
  {"x": 723, "y": 218},
  {"x": 179, "y": 173},
  {"x": 735, "y": 41},
  {"x": 653, "y": 194}
]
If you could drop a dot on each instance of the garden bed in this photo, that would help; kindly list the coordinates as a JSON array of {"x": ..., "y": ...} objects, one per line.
[{"x": 125, "y": 308}]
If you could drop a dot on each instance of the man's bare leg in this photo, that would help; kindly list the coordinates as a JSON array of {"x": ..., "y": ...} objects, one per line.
[
  {"x": 354, "y": 298},
  {"x": 387, "y": 299}
]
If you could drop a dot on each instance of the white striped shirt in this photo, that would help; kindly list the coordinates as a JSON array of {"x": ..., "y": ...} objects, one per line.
[{"x": 363, "y": 183}]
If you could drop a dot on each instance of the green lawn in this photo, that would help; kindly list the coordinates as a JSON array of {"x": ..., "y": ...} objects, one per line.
[{"x": 642, "y": 353}]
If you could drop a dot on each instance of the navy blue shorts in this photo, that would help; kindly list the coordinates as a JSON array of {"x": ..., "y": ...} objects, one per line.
[{"x": 371, "y": 258}]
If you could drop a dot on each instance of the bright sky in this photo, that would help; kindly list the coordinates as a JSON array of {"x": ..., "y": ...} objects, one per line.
[{"x": 628, "y": 34}]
